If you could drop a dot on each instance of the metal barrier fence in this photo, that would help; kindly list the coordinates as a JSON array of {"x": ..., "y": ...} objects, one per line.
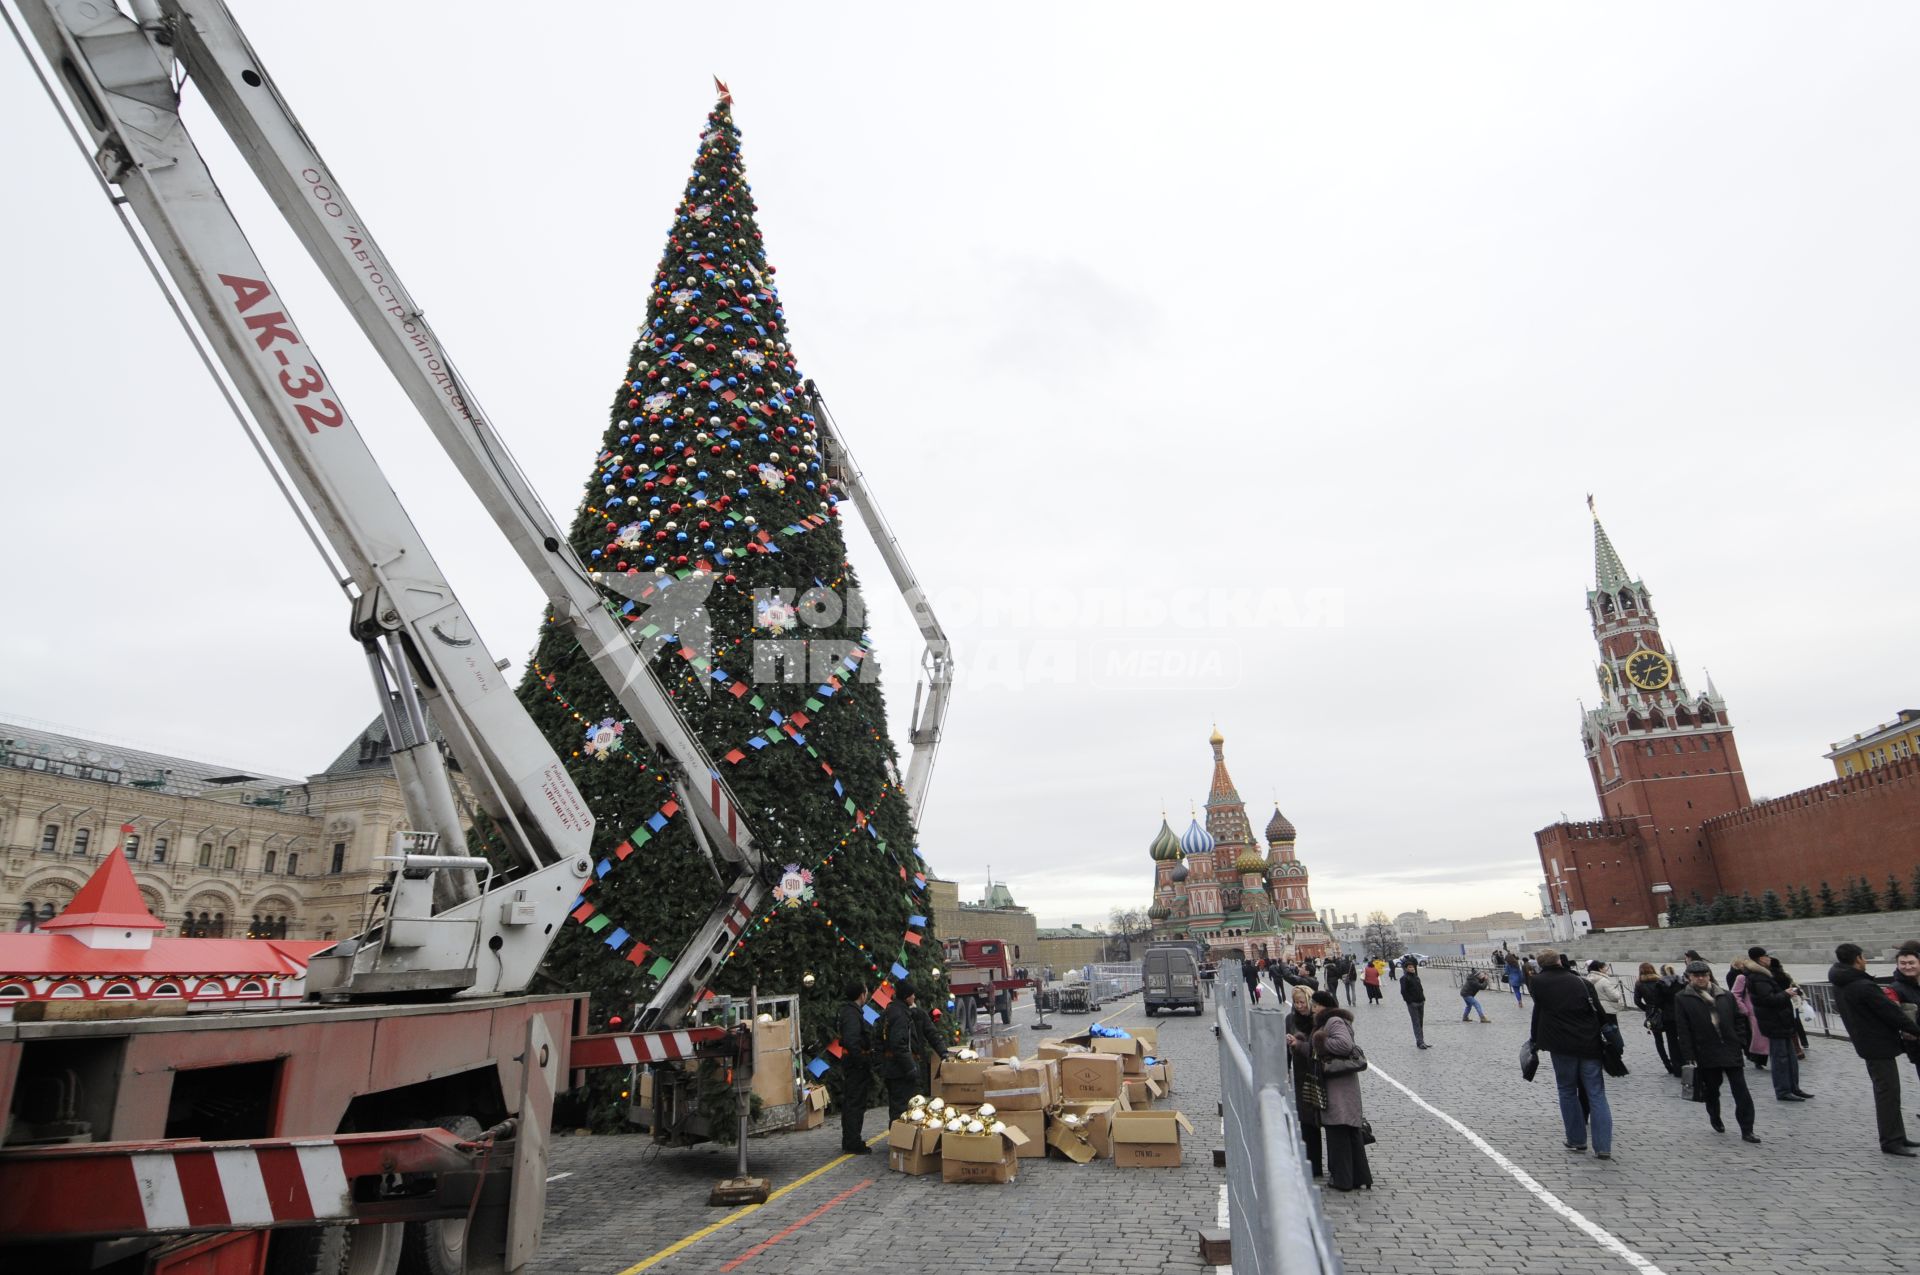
[
  {"x": 1111, "y": 982},
  {"x": 1273, "y": 1210}
]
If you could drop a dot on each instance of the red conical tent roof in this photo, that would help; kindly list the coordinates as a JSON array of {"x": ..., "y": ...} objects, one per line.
[{"x": 109, "y": 899}]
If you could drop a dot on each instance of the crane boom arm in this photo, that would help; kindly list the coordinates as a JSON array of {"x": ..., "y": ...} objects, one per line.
[
  {"x": 936, "y": 662},
  {"x": 119, "y": 76}
]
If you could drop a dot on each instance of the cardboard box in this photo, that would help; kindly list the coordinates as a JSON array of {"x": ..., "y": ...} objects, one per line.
[
  {"x": 773, "y": 1063},
  {"x": 962, "y": 1080},
  {"x": 1006, "y": 1047},
  {"x": 1090, "y": 1139},
  {"x": 813, "y": 1108},
  {"x": 1147, "y": 1139},
  {"x": 1020, "y": 1086},
  {"x": 1051, "y": 1048},
  {"x": 1139, "y": 1092},
  {"x": 1090, "y": 1077},
  {"x": 1161, "y": 1073},
  {"x": 913, "y": 1149},
  {"x": 981, "y": 1159},
  {"x": 1033, "y": 1127}
]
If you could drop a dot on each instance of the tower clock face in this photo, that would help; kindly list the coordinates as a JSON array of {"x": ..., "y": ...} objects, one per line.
[
  {"x": 1649, "y": 670},
  {"x": 1605, "y": 673}
]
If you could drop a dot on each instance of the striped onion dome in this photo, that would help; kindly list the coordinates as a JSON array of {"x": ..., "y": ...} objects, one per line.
[
  {"x": 1159, "y": 912},
  {"x": 1165, "y": 847},
  {"x": 1250, "y": 861},
  {"x": 1196, "y": 840}
]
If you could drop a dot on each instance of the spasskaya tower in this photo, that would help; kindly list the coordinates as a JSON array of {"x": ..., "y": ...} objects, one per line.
[{"x": 1662, "y": 759}]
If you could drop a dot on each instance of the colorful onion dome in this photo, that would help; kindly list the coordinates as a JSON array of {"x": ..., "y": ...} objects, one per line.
[
  {"x": 1179, "y": 872},
  {"x": 1159, "y": 912},
  {"x": 1196, "y": 840},
  {"x": 1279, "y": 828},
  {"x": 1166, "y": 846},
  {"x": 1250, "y": 861}
]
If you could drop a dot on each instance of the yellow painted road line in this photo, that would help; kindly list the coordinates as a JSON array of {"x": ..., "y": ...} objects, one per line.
[
  {"x": 1116, "y": 1013},
  {"x": 689, "y": 1241}
]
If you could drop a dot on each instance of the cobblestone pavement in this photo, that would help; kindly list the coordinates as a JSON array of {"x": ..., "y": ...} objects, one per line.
[
  {"x": 623, "y": 1202},
  {"x": 1816, "y": 1195}
]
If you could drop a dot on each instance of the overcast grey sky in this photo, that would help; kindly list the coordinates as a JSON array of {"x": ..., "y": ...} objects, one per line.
[{"x": 1285, "y": 341}]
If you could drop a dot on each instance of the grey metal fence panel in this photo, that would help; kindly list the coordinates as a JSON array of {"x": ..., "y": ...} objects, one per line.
[{"x": 1273, "y": 1209}]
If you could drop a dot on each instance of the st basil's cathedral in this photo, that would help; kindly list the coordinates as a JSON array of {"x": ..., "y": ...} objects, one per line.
[{"x": 1212, "y": 883}]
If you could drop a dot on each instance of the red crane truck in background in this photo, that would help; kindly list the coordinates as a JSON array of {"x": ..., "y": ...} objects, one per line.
[
  {"x": 981, "y": 974},
  {"x": 400, "y": 1121}
]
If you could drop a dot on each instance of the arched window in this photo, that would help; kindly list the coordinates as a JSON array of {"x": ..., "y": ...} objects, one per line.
[
  {"x": 252, "y": 987},
  {"x": 206, "y": 854},
  {"x": 50, "y": 838},
  {"x": 133, "y": 846},
  {"x": 69, "y": 991},
  {"x": 233, "y": 857},
  {"x": 210, "y": 988},
  {"x": 272, "y": 857},
  {"x": 119, "y": 992},
  {"x": 82, "y": 838},
  {"x": 219, "y": 925},
  {"x": 14, "y": 992},
  {"x": 293, "y": 864},
  {"x": 1626, "y": 600},
  {"x": 166, "y": 989}
]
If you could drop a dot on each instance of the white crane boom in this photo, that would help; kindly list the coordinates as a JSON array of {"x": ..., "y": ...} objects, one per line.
[
  {"x": 119, "y": 76},
  {"x": 930, "y": 696}
]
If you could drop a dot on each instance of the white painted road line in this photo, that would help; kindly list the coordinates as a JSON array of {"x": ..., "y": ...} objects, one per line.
[
  {"x": 555, "y": 1177},
  {"x": 1593, "y": 1230},
  {"x": 1225, "y": 1221}
]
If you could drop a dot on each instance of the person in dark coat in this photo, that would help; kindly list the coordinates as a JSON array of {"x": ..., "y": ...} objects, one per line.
[
  {"x": 1566, "y": 1024},
  {"x": 1708, "y": 1033},
  {"x": 852, "y": 1080},
  {"x": 1349, "y": 974},
  {"x": 1251, "y": 973},
  {"x": 1774, "y": 1018},
  {"x": 1906, "y": 986},
  {"x": 1414, "y": 993},
  {"x": 929, "y": 1044},
  {"x": 1653, "y": 997},
  {"x": 1881, "y": 1033},
  {"x": 1300, "y": 1061},
  {"x": 901, "y": 1063},
  {"x": 1344, "y": 1121}
]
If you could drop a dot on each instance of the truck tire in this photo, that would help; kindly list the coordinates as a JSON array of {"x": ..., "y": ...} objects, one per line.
[
  {"x": 335, "y": 1249},
  {"x": 439, "y": 1246},
  {"x": 1152, "y": 1010},
  {"x": 1006, "y": 1008}
]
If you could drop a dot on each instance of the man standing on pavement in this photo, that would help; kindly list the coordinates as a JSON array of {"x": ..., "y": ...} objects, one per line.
[
  {"x": 900, "y": 1063},
  {"x": 1775, "y": 1018},
  {"x": 1566, "y": 1024},
  {"x": 1415, "y": 996},
  {"x": 854, "y": 1076},
  {"x": 1706, "y": 1027},
  {"x": 1881, "y": 1033}
]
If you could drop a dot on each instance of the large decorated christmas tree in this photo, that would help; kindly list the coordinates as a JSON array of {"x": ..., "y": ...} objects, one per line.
[{"x": 714, "y": 532}]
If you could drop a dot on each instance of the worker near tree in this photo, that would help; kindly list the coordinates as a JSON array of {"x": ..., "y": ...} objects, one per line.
[
  {"x": 854, "y": 1075},
  {"x": 930, "y": 1046},
  {"x": 901, "y": 1063}
]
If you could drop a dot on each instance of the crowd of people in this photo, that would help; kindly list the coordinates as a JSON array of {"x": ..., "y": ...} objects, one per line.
[{"x": 1706, "y": 1030}]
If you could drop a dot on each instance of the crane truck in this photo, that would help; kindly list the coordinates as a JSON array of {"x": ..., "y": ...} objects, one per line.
[{"x": 399, "y": 1121}]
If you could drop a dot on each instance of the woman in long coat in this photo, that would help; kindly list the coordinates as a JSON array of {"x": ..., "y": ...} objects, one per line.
[
  {"x": 1300, "y": 1058},
  {"x": 1343, "y": 1122},
  {"x": 1757, "y": 1046},
  {"x": 1372, "y": 979}
]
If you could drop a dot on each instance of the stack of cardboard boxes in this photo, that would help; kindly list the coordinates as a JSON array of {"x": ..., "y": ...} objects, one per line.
[{"x": 1083, "y": 1098}]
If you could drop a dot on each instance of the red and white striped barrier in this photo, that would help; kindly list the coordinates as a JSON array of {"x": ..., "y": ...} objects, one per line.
[
  {"x": 146, "y": 1188},
  {"x": 610, "y": 1050}
]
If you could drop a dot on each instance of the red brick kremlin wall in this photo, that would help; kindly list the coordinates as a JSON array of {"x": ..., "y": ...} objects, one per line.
[{"x": 1863, "y": 825}]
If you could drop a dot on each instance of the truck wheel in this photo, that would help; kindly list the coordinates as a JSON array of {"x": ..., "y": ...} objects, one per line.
[
  {"x": 1152, "y": 1010},
  {"x": 439, "y": 1246},
  {"x": 1006, "y": 1008},
  {"x": 335, "y": 1249}
]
